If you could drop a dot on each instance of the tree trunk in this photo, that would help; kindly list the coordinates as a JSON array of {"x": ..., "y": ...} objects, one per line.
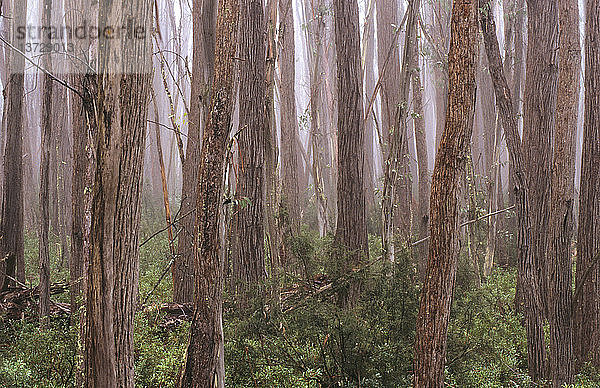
[
  {"x": 395, "y": 83},
  {"x": 490, "y": 140},
  {"x": 202, "y": 72},
  {"x": 539, "y": 123},
  {"x": 370, "y": 50},
  {"x": 112, "y": 281},
  {"x": 204, "y": 357},
  {"x": 436, "y": 296},
  {"x": 587, "y": 281},
  {"x": 561, "y": 212},
  {"x": 440, "y": 67},
  {"x": 422, "y": 220},
  {"x": 11, "y": 220},
  {"x": 351, "y": 233},
  {"x": 517, "y": 82},
  {"x": 249, "y": 260},
  {"x": 289, "y": 211},
  {"x": 528, "y": 276},
  {"x": 271, "y": 153},
  {"x": 46, "y": 146},
  {"x": 319, "y": 139}
]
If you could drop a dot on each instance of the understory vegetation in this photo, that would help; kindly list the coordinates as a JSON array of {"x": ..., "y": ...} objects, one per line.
[{"x": 303, "y": 340}]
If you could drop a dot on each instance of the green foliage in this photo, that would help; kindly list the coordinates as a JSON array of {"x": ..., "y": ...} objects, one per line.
[
  {"x": 317, "y": 343},
  {"x": 310, "y": 341},
  {"x": 32, "y": 357},
  {"x": 158, "y": 353},
  {"x": 486, "y": 341},
  {"x": 59, "y": 266}
]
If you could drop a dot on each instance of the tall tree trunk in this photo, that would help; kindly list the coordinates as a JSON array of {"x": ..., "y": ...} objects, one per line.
[
  {"x": 490, "y": 140},
  {"x": 202, "y": 72},
  {"x": 112, "y": 281},
  {"x": 204, "y": 357},
  {"x": 587, "y": 281},
  {"x": 538, "y": 126},
  {"x": 351, "y": 233},
  {"x": 11, "y": 219},
  {"x": 249, "y": 261},
  {"x": 46, "y": 146},
  {"x": 370, "y": 50},
  {"x": 271, "y": 152},
  {"x": 436, "y": 296},
  {"x": 330, "y": 106},
  {"x": 561, "y": 212},
  {"x": 528, "y": 276},
  {"x": 319, "y": 139},
  {"x": 395, "y": 83},
  {"x": 441, "y": 34},
  {"x": 424, "y": 189},
  {"x": 289, "y": 211},
  {"x": 84, "y": 129},
  {"x": 517, "y": 81},
  {"x": 163, "y": 176}
]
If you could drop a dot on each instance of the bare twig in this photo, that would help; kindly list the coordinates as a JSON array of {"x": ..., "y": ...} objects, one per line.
[
  {"x": 52, "y": 76},
  {"x": 469, "y": 222}
]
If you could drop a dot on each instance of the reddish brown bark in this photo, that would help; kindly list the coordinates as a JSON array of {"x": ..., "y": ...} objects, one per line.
[{"x": 436, "y": 296}]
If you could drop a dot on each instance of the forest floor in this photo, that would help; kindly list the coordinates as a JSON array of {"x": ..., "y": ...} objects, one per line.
[{"x": 307, "y": 341}]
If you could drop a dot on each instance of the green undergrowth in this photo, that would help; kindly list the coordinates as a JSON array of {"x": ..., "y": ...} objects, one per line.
[{"x": 305, "y": 341}]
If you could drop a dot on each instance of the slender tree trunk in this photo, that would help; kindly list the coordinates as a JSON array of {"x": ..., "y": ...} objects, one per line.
[
  {"x": 528, "y": 276},
  {"x": 84, "y": 129},
  {"x": 517, "y": 81},
  {"x": 330, "y": 105},
  {"x": 369, "y": 76},
  {"x": 436, "y": 296},
  {"x": 490, "y": 139},
  {"x": 440, "y": 68},
  {"x": 587, "y": 281},
  {"x": 249, "y": 261},
  {"x": 422, "y": 220},
  {"x": 395, "y": 83},
  {"x": 319, "y": 140},
  {"x": 112, "y": 278},
  {"x": 204, "y": 357},
  {"x": 202, "y": 73},
  {"x": 351, "y": 233},
  {"x": 271, "y": 152},
  {"x": 289, "y": 211},
  {"x": 46, "y": 146},
  {"x": 163, "y": 177},
  {"x": 561, "y": 212},
  {"x": 11, "y": 219}
]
